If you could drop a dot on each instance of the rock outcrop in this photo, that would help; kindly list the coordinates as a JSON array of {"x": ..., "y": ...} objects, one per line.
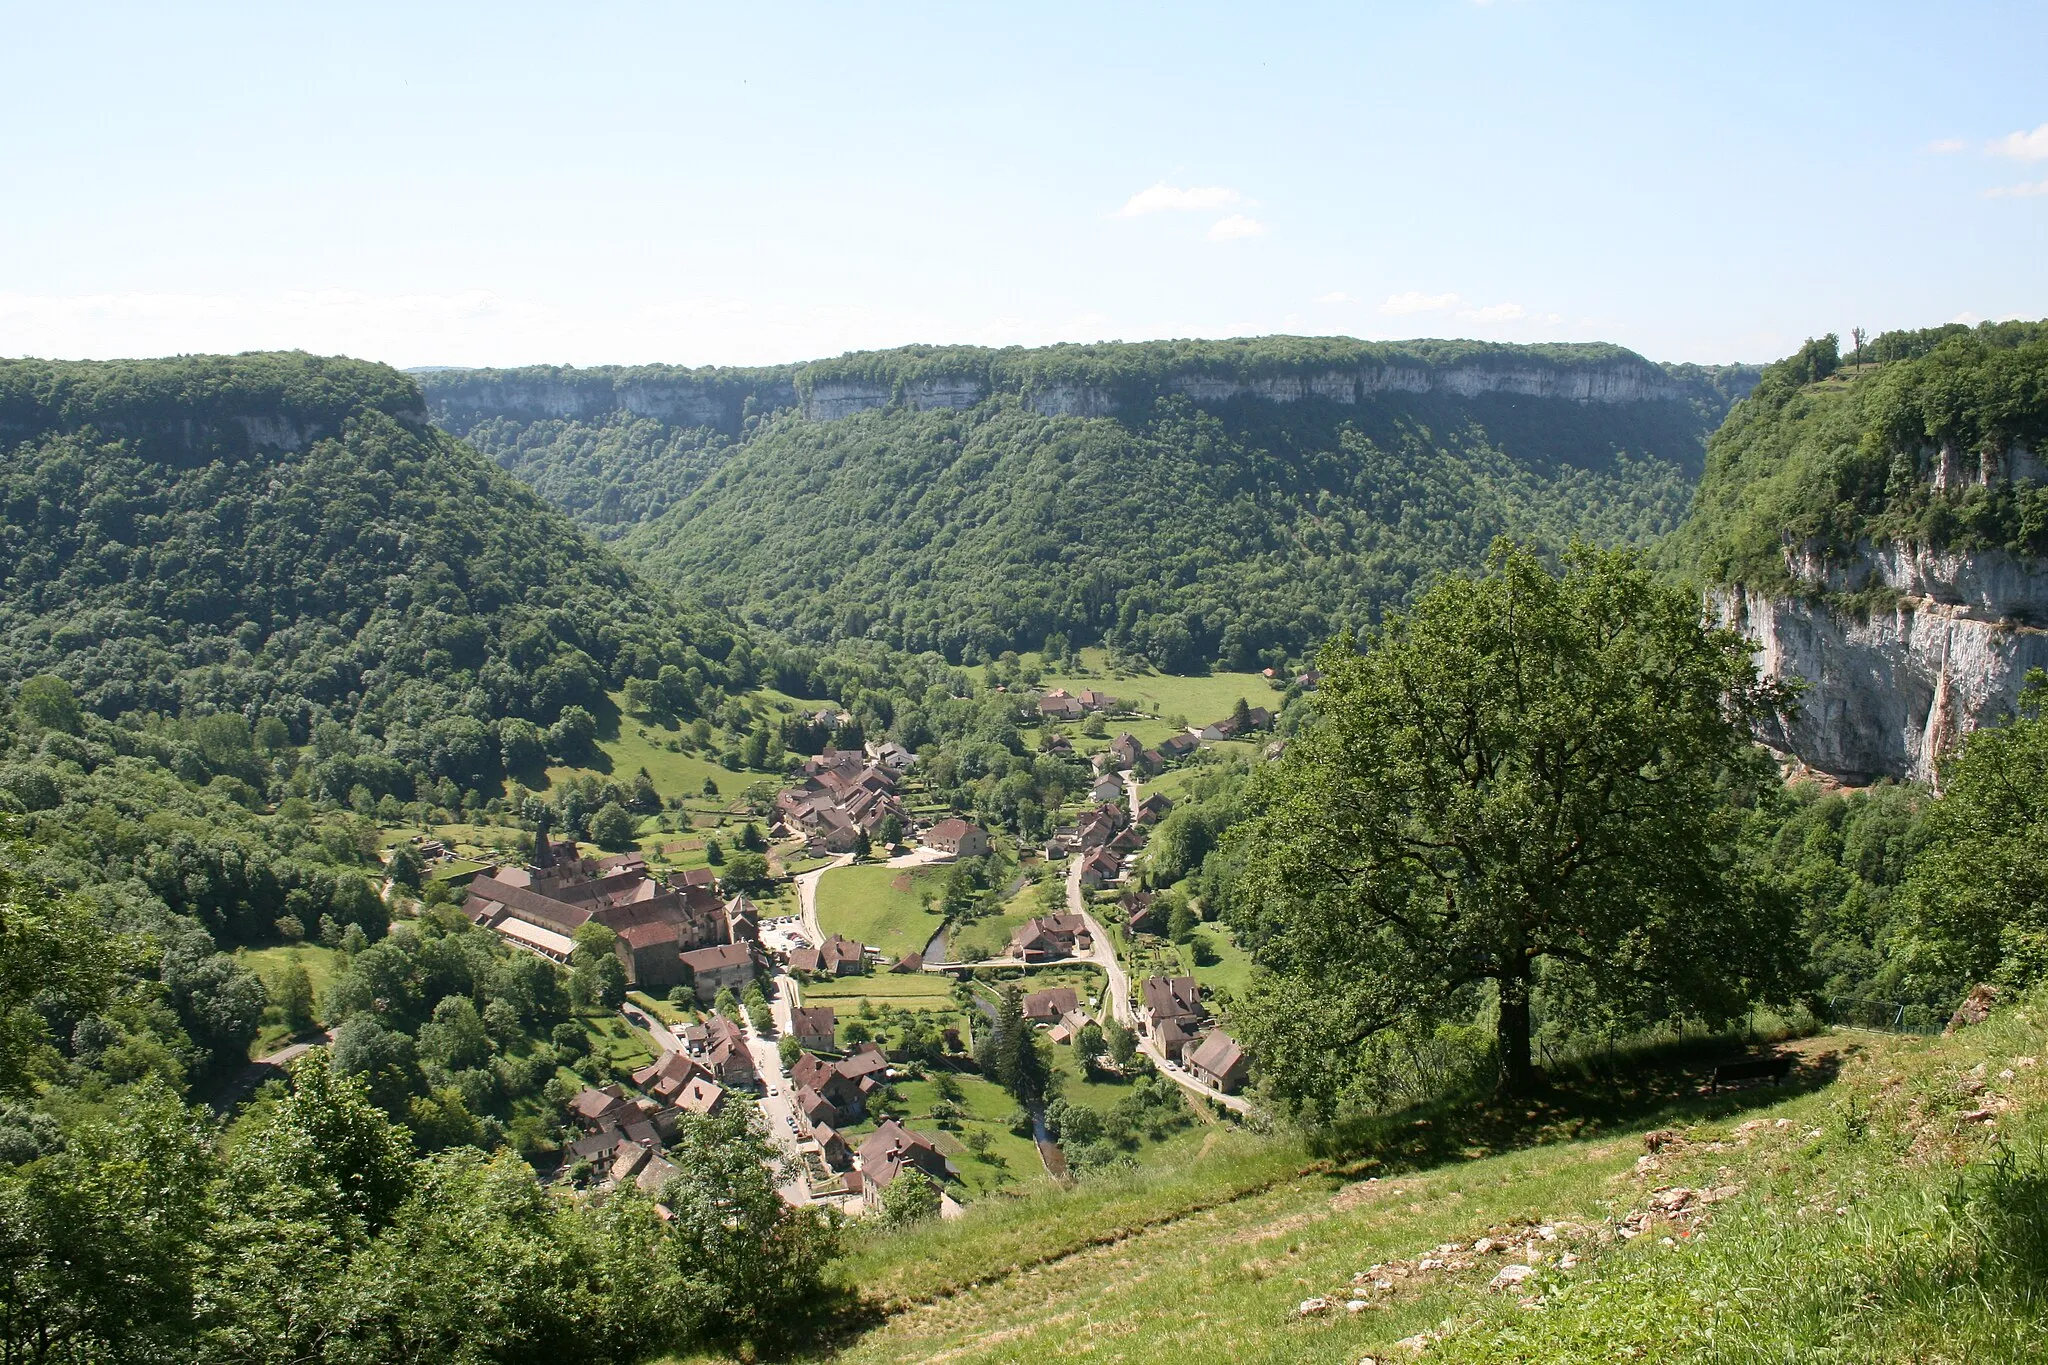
[
  {"x": 1934, "y": 645},
  {"x": 830, "y": 390}
]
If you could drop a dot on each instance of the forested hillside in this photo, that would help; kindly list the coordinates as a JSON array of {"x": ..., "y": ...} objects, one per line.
[
  {"x": 285, "y": 539},
  {"x": 1929, "y": 437},
  {"x": 1181, "y": 502}
]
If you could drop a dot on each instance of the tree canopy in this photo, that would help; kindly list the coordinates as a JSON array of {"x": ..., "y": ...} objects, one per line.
[{"x": 1528, "y": 784}]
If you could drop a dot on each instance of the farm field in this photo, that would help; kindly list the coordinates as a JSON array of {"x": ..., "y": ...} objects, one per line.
[{"x": 880, "y": 906}]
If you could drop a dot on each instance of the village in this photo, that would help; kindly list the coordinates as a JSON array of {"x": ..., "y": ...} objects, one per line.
[{"x": 777, "y": 1012}]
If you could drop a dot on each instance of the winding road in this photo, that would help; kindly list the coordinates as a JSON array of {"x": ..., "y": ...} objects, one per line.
[{"x": 1120, "y": 1003}]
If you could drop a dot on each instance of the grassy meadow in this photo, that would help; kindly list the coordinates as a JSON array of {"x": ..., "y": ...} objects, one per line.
[
  {"x": 1890, "y": 1203},
  {"x": 881, "y": 906}
]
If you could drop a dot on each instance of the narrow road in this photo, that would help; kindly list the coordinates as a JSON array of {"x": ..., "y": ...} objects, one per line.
[
  {"x": 778, "y": 1105},
  {"x": 1121, "y": 1004},
  {"x": 807, "y": 896}
]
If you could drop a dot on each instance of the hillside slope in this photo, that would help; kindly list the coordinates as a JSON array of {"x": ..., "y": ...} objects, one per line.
[
  {"x": 1890, "y": 1208},
  {"x": 1883, "y": 532},
  {"x": 1187, "y": 501},
  {"x": 286, "y": 536}
]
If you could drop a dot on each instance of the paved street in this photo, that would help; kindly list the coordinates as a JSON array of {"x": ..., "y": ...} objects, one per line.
[{"x": 1121, "y": 1004}]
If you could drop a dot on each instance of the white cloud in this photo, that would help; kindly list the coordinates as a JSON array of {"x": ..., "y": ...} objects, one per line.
[
  {"x": 1947, "y": 145},
  {"x": 1415, "y": 301},
  {"x": 1493, "y": 312},
  {"x": 1335, "y": 296},
  {"x": 2023, "y": 146},
  {"x": 1165, "y": 198},
  {"x": 2026, "y": 191},
  {"x": 1235, "y": 228}
]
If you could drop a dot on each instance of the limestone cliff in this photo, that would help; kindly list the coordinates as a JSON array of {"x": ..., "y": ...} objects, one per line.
[
  {"x": 1932, "y": 645},
  {"x": 1091, "y": 381}
]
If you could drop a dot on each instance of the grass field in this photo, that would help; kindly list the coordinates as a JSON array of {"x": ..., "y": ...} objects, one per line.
[
  {"x": 322, "y": 966},
  {"x": 1157, "y": 694},
  {"x": 880, "y": 906},
  {"x": 1859, "y": 1214},
  {"x": 1012, "y": 1162},
  {"x": 642, "y": 743},
  {"x": 923, "y": 991},
  {"x": 1232, "y": 969},
  {"x": 616, "y": 1040}
]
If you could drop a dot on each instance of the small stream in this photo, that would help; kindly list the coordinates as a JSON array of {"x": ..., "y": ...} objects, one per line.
[{"x": 935, "y": 951}]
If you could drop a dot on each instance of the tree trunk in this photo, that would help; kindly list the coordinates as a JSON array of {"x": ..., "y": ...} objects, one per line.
[{"x": 1517, "y": 1074}]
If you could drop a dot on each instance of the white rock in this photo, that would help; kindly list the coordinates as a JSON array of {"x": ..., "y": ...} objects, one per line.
[
  {"x": 1356, "y": 1306},
  {"x": 1567, "y": 1261},
  {"x": 1510, "y": 1276},
  {"x": 1483, "y": 1245},
  {"x": 1310, "y": 1307}
]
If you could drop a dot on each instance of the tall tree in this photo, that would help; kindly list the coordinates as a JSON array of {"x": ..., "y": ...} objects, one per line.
[
  {"x": 1525, "y": 785},
  {"x": 1979, "y": 892}
]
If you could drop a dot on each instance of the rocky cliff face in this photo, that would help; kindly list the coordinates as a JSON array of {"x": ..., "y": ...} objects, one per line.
[
  {"x": 459, "y": 401},
  {"x": 720, "y": 399},
  {"x": 1889, "y": 688}
]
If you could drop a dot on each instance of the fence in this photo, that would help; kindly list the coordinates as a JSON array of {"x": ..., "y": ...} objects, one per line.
[{"x": 1890, "y": 1016}]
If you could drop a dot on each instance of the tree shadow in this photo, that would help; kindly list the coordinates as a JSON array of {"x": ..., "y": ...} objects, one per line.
[{"x": 1667, "y": 1085}]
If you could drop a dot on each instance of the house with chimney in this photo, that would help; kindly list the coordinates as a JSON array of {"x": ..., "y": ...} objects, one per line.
[
  {"x": 720, "y": 1046},
  {"x": 836, "y": 956},
  {"x": 1058, "y": 704},
  {"x": 958, "y": 837},
  {"x": 846, "y": 1084},
  {"x": 1124, "y": 750},
  {"x": 666, "y": 1079},
  {"x": 1107, "y": 788},
  {"x": 1048, "y": 938},
  {"x": 815, "y": 1028},
  {"x": 1047, "y": 1006},
  {"x": 1099, "y": 868},
  {"x": 727, "y": 965},
  {"x": 1219, "y": 1063},
  {"x": 1153, "y": 809},
  {"x": 892, "y": 1149},
  {"x": 1170, "y": 1000}
]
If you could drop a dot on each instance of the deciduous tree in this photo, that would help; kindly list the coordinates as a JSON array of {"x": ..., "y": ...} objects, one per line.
[{"x": 1524, "y": 785}]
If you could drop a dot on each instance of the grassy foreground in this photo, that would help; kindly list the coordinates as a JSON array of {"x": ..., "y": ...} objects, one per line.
[{"x": 1890, "y": 1205}]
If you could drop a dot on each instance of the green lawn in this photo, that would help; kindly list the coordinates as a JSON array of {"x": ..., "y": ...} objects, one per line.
[
  {"x": 1232, "y": 969},
  {"x": 1013, "y": 1162},
  {"x": 1157, "y": 694},
  {"x": 660, "y": 1009},
  {"x": 615, "y": 1039},
  {"x": 922, "y": 991},
  {"x": 643, "y": 743},
  {"x": 322, "y": 965},
  {"x": 880, "y": 906}
]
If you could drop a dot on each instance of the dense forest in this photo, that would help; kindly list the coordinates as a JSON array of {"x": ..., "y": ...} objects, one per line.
[
  {"x": 1828, "y": 453},
  {"x": 965, "y": 506},
  {"x": 285, "y": 540}
]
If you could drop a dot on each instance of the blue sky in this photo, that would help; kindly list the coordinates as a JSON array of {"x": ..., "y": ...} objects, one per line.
[{"x": 504, "y": 184}]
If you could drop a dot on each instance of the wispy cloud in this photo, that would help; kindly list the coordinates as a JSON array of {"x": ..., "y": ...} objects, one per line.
[
  {"x": 1415, "y": 301},
  {"x": 1948, "y": 146},
  {"x": 1236, "y": 228},
  {"x": 1165, "y": 198},
  {"x": 1494, "y": 312},
  {"x": 2026, "y": 191},
  {"x": 2023, "y": 146}
]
